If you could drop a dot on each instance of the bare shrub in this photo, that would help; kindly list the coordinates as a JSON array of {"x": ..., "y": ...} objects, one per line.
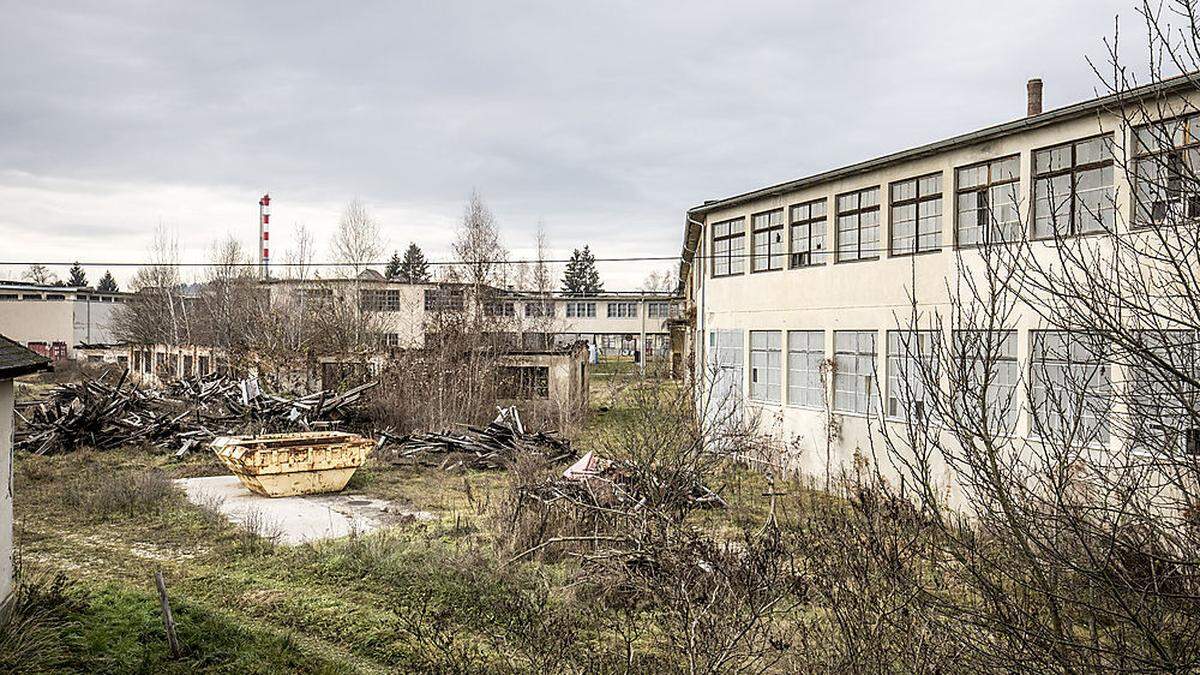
[
  {"x": 257, "y": 533},
  {"x": 125, "y": 493}
]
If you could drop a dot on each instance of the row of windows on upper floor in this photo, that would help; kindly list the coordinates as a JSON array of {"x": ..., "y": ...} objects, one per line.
[
  {"x": 1070, "y": 379},
  {"x": 1073, "y": 193},
  {"x": 453, "y": 299}
]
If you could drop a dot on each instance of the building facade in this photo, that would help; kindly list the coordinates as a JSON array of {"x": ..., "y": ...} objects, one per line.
[
  {"x": 618, "y": 324},
  {"x": 53, "y": 320},
  {"x": 800, "y": 294}
]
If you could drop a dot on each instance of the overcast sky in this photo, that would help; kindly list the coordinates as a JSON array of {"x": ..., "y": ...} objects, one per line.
[{"x": 604, "y": 120}]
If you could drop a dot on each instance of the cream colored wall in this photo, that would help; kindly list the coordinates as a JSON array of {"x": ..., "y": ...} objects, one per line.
[
  {"x": 28, "y": 321},
  {"x": 863, "y": 295}
]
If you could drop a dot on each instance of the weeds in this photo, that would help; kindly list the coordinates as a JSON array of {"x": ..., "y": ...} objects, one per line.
[{"x": 125, "y": 493}]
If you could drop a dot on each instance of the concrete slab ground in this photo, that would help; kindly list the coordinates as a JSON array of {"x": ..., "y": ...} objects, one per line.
[{"x": 295, "y": 520}]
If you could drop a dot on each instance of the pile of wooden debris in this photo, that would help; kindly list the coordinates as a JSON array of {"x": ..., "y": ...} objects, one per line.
[
  {"x": 184, "y": 417},
  {"x": 486, "y": 448}
]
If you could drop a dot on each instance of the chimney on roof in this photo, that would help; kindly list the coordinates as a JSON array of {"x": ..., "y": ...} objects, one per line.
[{"x": 1034, "y": 90}]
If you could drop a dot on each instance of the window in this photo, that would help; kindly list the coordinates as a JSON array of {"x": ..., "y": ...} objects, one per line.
[
  {"x": 808, "y": 234},
  {"x": 9, "y": 296},
  {"x": 379, "y": 300},
  {"x": 1073, "y": 188},
  {"x": 986, "y": 199},
  {"x": 581, "y": 310},
  {"x": 523, "y": 383},
  {"x": 539, "y": 309},
  {"x": 203, "y": 366},
  {"x": 187, "y": 365},
  {"x": 1070, "y": 387},
  {"x": 622, "y": 310},
  {"x": 658, "y": 310},
  {"x": 917, "y": 215},
  {"x": 443, "y": 299},
  {"x": 854, "y": 370},
  {"x": 910, "y": 361},
  {"x": 1165, "y": 165},
  {"x": 499, "y": 308},
  {"x": 1163, "y": 402},
  {"x": 729, "y": 247},
  {"x": 806, "y": 350},
  {"x": 315, "y": 295},
  {"x": 769, "y": 247},
  {"x": 391, "y": 340},
  {"x": 988, "y": 359},
  {"x": 858, "y": 225},
  {"x": 765, "y": 361},
  {"x": 725, "y": 363}
]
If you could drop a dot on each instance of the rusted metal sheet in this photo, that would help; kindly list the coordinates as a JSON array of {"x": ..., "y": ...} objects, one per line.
[{"x": 280, "y": 465}]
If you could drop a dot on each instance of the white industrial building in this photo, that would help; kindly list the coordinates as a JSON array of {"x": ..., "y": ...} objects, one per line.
[
  {"x": 819, "y": 270},
  {"x": 55, "y": 321}
]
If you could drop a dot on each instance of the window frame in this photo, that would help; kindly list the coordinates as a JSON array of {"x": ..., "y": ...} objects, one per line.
[
  {"x": 857, "y": 212},
  {"x": 1102, "y": 365},
  {"x": 631, "y": 305},
  {"x": 985, "y": 188},
  {"x": 1073, "y": 170},
  {"x": 810, "y": 221},
  {"x": 573, "y": 306},
  {"x": 870, "y": 378},
  {"x": 728, "y": 256},
  {"x": 1137, "y": 155},
  {"x": 916, "y": 202},
  {"x": 771, "y": 349},
  {"x": 821, "y": 388},
  {"x": 779, "y": 230},
  {"x": 925, "y": 350}
]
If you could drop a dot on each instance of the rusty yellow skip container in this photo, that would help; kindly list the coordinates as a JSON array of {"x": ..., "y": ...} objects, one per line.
[{"x": 281, "y": 465}]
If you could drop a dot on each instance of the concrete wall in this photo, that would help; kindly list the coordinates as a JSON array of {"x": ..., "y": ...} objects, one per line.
[
  {"x": 7, "y": 394},
  {"x": 79, "y": 318},
  {"x": 861, "y": 295}
]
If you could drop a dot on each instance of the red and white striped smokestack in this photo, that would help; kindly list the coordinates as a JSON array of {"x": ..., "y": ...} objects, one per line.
[{"x": 264, "y": 235}]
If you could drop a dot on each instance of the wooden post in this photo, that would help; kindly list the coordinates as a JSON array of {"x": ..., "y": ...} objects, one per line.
[{"x": 168, "y": 619}]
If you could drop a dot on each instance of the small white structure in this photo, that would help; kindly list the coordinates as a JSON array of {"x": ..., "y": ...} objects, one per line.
[{"x": 15, "y": 361}]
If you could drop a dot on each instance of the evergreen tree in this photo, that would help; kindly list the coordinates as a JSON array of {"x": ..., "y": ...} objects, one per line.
[
  {"x": 392, "y": 271},
  {"x": 581, "y": 276},
  {"x": 414, "y": 269},
  {"x": 107, "y": 283},
  {"x": 78, "y": 277}
]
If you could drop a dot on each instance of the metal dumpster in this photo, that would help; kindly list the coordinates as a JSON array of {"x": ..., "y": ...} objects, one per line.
[{"x": 279, "y": 465}]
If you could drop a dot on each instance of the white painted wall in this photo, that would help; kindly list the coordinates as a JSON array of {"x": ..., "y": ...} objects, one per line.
[{"x": 6, "y": 495}]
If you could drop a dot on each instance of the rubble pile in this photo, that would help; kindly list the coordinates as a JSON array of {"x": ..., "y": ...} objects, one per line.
[
  {"x": 485, "y": 448},
  {"x": 184, "y": 417},
  {"x": 99, "y": 415}
]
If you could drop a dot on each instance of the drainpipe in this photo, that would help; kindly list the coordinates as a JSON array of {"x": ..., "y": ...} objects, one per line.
[{"x": 701, "y": 349}]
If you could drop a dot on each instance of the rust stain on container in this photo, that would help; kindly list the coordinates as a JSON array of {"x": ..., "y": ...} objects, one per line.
[{"x": 281, "y": 465}]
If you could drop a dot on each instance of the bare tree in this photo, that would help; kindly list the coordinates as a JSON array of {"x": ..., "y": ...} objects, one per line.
[
  {"x": 40, "y": 274},
  {"x": 158, "y": 311},
  {"x": 662, "y": 281},
  {"x": 301, "y": 255},
  {"x": 481, "y": 255},
  {"x": 357, "y": 242}
]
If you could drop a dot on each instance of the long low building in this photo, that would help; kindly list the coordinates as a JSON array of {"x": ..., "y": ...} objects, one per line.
[
  {"x": 614, "y": 322},
  {"x": 800, "y": 291},
  {"x": 55, "y": 320}
]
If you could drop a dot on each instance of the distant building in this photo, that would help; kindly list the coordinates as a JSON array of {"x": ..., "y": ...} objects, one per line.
[
  {"x": 54, "y": 320},
  {"x": 615, "y": 322}
]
